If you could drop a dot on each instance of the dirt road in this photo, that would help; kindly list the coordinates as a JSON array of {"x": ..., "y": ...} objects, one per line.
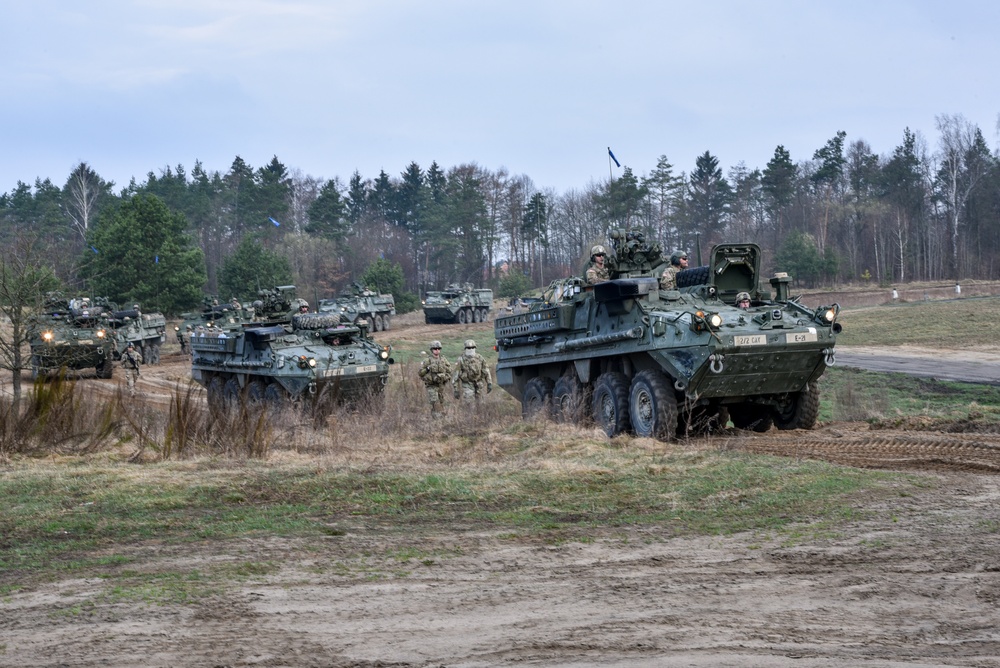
[{"x": 915, "y": 581}]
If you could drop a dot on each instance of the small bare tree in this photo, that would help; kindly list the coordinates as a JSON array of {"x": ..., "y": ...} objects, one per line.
[{"x": 25, "y": 277}]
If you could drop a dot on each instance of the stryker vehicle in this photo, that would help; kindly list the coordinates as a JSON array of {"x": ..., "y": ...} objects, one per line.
[
  {"x": 458, "y": 303},
  {"x": 145, "y": 330},
  {"x": 214, "y": 314},
  {"x": 361, "y": 304},
  {"x": 73, "y": 334},
  {"x": 666, "y": 363},
  {"x": 287, "y": 355}
]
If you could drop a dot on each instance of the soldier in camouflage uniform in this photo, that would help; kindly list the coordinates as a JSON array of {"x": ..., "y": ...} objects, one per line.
[
  {"x": 131, "y": 359},
  {"x": 678, "y": 262},
  {"x": 598, "y": 273},
  {"x": 474, "y": 373},
  {"x": 435, "y": 371}
]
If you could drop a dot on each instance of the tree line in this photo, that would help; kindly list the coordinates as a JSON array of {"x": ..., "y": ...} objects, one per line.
[{"x": 843, "y": 215}]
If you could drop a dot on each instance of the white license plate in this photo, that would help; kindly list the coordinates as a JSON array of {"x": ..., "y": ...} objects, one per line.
[
  {"x": 367, "y": 367},
  {"x": 750, "y": 340},
  {"x": 801, "y": 337}
]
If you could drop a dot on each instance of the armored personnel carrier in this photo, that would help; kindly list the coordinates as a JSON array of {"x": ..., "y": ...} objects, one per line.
[
  {"x": 458, "y": 303},
  {"x": 287, "y": 354},
  {"x": 361, "y": 304},
  {"x": 145, "y": 330},
  {"x": 74, "y": 334},
  {"x": 663, "y": 363}
]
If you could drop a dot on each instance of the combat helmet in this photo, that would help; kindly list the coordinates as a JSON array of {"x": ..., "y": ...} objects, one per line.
[
  {"x": 677, "y": 256},
  {"x": 435, "y": 344},
  {"x": 469, "y": 343},
  {"x": 598, "y": 250}
]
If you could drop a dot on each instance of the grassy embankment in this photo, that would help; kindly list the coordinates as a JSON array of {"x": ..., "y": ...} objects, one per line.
[{"x": 73, "y": 505}]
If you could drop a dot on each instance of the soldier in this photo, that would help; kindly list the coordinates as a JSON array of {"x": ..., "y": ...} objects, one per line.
[
  {"x": 474, "y": 372},
  {"x": 435, "y": 371},
  {"x": 678, "y": 262},
  {"x": 598, "y": 273},
  {"x": 131, "y": 359},
  {"x": 743, "y": 300},
  {"x": 180, "y": 339},
  {"x": 235, "y": 304}
]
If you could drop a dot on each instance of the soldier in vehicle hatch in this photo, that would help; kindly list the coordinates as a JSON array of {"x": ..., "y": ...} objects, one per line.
[
  {"x": 598, "y": 272},
  {"x": 435, "y": 371},
  {"x": 678, "y": 263}
]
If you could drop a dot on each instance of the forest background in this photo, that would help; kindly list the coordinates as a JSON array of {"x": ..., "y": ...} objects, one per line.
[{"x": 846, "y": 215}]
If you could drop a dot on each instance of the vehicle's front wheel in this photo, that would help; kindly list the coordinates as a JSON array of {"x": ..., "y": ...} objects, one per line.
[
  {"x": 653, "y": 406},
  {"x": 610, "y": 403},
  {"x": 801, "y": 411}
]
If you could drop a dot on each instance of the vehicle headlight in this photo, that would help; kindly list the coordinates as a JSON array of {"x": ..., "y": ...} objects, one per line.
[
  {"x": 46, "y": 336},
  {"x": 447, "y": 301},
  {"x": 702, "y": 321},
  {"x": 100, "y": 333},
  {"x": 384, "y": 354},
  {"x": 423, "y": 302},
  {"x": 311, "y": 362}
]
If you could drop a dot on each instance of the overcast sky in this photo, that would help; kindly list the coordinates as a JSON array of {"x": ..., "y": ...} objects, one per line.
[{"x": 540, "y": 88}]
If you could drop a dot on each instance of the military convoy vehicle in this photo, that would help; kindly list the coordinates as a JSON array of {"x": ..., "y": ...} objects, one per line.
[
  {"x": 359, "y": 304},
  {"x": 286, "y": 354},
  {"x": 458, "y": 303},
  {"x": 664, "y": 363},
  {"x": 74, "y": 334},
  {"x": 81, "y": 333},
  {"x": 147, "y": 331}
]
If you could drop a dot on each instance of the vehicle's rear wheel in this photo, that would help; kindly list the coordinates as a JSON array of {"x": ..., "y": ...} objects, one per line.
[
  {"x": 385, "y": 322},
  {"x": 653, "y": 406},
  {"x": 216, "y": 400},
  {"x": 537, "y": 398},
  {"x": 569, "y": 399},
  {"x": 801, "y": 411},
  {"x": 610, "y": 403},
  {"x": 477, "y": 315}
]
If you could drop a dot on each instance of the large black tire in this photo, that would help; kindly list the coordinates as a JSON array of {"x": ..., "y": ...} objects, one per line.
[
  {"x": 570, "y": 400},
  {"x": 537, "y": 398},
  {"x": 385, "y": 322},
  {"x": 609, "y": 405},
  {"x": 462, "y": 316},
  {"x": 477, "y": 315},
  {"x": 255, "y": 392},
  {"x": 106, "y": 368},
  {"x": 153, "y": 348},
  {"x": 652, "y": 406},
  {"x": 231, "y": 393},
  {"x": 315, "y": 320},
  {"x": 275, "y": 395},
  {"x": 751, "y": 417},
  {"x": 802, "y": 410},
  {"x": 687, "y": 278},
  {"x": 216, "y": 400}
]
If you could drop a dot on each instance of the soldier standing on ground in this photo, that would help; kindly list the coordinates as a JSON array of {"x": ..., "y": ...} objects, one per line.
[
  {"x": 598, "y": 273},
  {"x": 474, "y": 373},
  {"x": 678, "y": 262},
  {"x": 435, "y": 371},
  {"x": 180, "y": 339},
  {"x": 131, "y": 359}
]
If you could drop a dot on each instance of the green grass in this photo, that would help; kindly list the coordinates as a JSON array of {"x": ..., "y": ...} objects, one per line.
[
  {"x": 954, "y": 324},
  {"x": 59, "y": 522}
]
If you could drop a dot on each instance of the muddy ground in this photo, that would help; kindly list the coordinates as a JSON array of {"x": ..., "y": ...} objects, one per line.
[{"x": 915, "y": 582}]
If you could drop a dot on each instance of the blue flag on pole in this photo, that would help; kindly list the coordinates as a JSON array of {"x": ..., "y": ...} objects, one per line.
[
  {"x": 276, "y": 223},
  {"x": 93, "y": 249},
  {"x": 157, "y": 260},
  {"x": 617, "y": 164}
]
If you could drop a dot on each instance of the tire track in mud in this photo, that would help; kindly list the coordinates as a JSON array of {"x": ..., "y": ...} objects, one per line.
[{"x": 935, "y": 451}]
